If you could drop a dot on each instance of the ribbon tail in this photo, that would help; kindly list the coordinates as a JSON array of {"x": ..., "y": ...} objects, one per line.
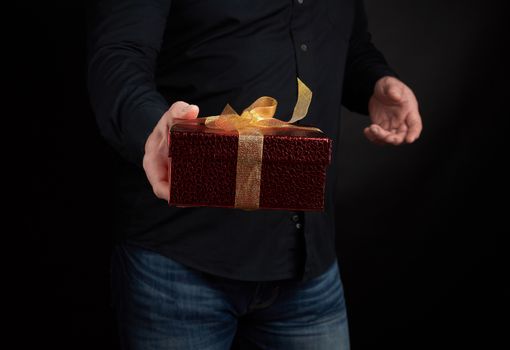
[{"x": 303, "y": 102}]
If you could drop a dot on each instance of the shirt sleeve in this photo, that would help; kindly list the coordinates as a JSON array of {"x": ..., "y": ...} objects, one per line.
[
  {"x": 124, "y": 39},
  {"x": 364, "y": 66}
]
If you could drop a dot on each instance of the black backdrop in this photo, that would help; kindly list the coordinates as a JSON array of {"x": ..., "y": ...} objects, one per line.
[{"x": 420, "y": 227}]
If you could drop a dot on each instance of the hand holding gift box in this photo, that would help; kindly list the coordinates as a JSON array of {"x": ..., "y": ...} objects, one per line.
[{"x": 249, "y": 161}]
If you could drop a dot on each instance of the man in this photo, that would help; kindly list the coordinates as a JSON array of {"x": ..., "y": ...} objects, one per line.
[{"x": 195, "y": 277}]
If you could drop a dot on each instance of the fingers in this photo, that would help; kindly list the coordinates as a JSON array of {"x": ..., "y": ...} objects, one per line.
[
  {"x": 371, "y": 136},
  {"x": 161, "y": 190},
  {"x": 156, "y": 168},
  {"x": 407, "y": 132},
  {"x": 378, "y": 135},
  {"x": 415, "y": 127}
]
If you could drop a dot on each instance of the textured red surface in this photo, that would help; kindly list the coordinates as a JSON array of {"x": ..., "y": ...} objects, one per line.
[{"x": 204, "y": 162}]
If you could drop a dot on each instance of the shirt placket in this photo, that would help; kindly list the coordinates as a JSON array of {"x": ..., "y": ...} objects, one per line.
[{"x": 301, "y": 35}]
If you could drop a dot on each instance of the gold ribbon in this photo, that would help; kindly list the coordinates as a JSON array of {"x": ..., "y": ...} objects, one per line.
[{"x": 257, "y": 116}]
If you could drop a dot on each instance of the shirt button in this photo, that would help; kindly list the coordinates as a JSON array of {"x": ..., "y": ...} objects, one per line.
[
  {"x": 304, "y": 47},
  {"x": 298, "y": 225},
  {"x": 295, "y": 217}
]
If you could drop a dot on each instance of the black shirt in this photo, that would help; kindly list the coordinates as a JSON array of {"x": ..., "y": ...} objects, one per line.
[{"x": 146, "y": 54}]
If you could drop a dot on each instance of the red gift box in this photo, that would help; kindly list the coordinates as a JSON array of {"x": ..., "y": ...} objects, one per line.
[{"x": 205, "y": 167}]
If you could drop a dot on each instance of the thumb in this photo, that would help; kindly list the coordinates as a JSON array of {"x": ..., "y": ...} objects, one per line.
[
  {"x": 181, "y": 110},
  {"x": 393, "y": 92},
  {"x": 189, "y": 112}
]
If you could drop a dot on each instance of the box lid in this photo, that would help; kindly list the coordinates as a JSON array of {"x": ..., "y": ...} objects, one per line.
[{"x": 198, "y": 142}]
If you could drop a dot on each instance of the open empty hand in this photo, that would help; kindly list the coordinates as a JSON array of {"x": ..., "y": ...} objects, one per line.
[{"x": 394, "y": 113}]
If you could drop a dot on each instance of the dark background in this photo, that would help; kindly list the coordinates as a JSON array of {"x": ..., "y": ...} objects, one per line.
[{"x": 420, "y": 227}]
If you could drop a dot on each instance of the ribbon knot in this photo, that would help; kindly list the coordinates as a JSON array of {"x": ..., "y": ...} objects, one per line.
[{"x": 259, "y": 114}]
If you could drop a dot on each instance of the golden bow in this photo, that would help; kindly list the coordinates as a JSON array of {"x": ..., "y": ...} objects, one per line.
[{"x": 261, "y": 112}]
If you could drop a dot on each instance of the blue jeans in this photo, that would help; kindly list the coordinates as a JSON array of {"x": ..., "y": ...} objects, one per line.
[{"x": 162, "y": 304}]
